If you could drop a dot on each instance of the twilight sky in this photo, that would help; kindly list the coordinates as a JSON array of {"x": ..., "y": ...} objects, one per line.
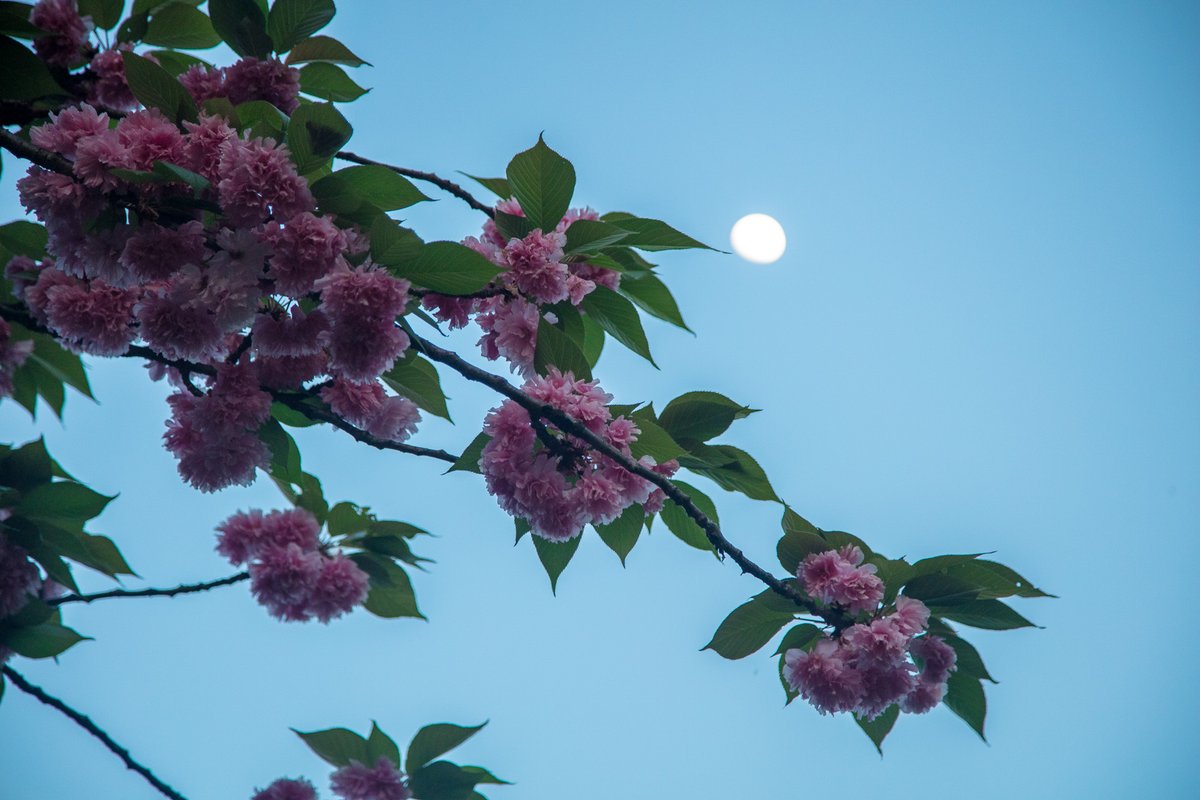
[{"x": 983, "y": 336}]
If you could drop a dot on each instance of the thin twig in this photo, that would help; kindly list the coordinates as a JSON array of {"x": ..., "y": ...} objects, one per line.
[
  {"x": 568, "y": 425},
  {"x": 187, "y": 588},
  {"x": 428, "y": 177},
  {"x": 92, "y": 728}
]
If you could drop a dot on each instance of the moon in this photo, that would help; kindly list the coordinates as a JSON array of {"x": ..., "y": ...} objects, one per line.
[{"x": 758, "y": 238}]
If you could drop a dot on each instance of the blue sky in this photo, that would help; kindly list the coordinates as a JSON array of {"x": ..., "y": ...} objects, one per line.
[{"x": 983, "y": 337}]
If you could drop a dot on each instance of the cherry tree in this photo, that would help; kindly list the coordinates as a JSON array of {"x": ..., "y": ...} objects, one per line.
[{"x": 197, "y": 218}]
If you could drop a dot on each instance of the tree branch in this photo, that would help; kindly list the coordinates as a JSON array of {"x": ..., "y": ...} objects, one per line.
[
  {"x": 187, "y": 588},
  {"x": 91, "y": 727},
  {"x": 428, "y": 177},
  {"x": 569, "y": 425},
  {"x": 30, "y": 152}
]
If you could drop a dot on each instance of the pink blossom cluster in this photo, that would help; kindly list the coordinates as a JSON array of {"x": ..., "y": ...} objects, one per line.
[
  {"x": 132, "y": 262},
  {"x": 66, "y": 41},
  {"x": 534, "y": 273},
  {"x": 19, "y": 577},
  {"x": 290, "y": 574},
  {"x": 355, "y": 781},
  {"x": 555, "y": 481},
  {"x": 839, "y": 577},
  {"x": 247, "y": 79},
  {"x": 867, "y": 668},
  {"x": 12, "y": 356}
]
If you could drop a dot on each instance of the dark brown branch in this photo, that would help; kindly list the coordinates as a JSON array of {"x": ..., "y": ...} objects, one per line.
[
  {"x": 23, "y": 149},
  {"x": 187, "y": 588},
  {"x": 568, "y": 425},
  {"x": 91, "y": 727},
  {"x": 295, "y": 401},
  {"x": 428, "y": 177}
]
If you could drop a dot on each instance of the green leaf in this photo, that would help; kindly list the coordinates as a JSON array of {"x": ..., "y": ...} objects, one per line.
[
  {"x": 653, "y": 297},
  {"x": 154, "y": 87},
  {"x": 380, "y": 745},
  {"x": 748, "y": 627},
  {"x": 315, "y": 133},
  {"x": 261, "y": 119},
  {"x": 441, "y": 780},
  {"x": 393, "y": 598},
  {"x": 41, "y": 641},
  {"x": 941, "y": 590},
  {"x": 285, "y": 455},
  {"x": 26, "y": 77},
  {"x": 701, "y": 415},
  {"x": 995, "y": 580},
  {"x": 619, "y": 318},
  {"x": 556, "y": 349},
  {"x": 64, "y": 502},
  {"x": 965, "y": 697},
  {"x": 336, "y": 746},
  {"x": 391, "y": 243},
  {"x": 290, "y": 416},
  {"x": 243, "y": 26},
  {"x": 177, "y": 63},
  {"x": 622, "y": 533},
  {"x": 345, "y": 518},
  {"x": 176, "y": 173},
  {"x": 512, "y": 226},
  {"x": 497, "y": 186},
  {"x": 180, "y": 26},
  {"x": 968, "y": 660},
  {"x": 292, "y": 21},
  {"x": 436, "y": 740},
  {"x": 14, "y": 21},
  {"x": 97, "y": 552},
  {"x": 329, "y": 82},
  {"x": 795, "y": 546},
  {"x": 469, "y": 460},
  {"x": 682, "y": 525},
  {"x": 417, "y": 379},
  {"x": 105, "y": 14},
  {"x": 24, "y": 238},
  {"x": 592, "y": 343},
  {"x": 448, "y": 268},
  {"x": 653, "y": 441},
  {"x": 798, "y": 637},
  {"x": 555, "y": 556},
  {"x": 794, "y": 522},
  {"x": 592, "y": 236},
  {"x": 324, "y": 48},
  {"x": 482, "y": 775},
  {"x": 654, "y": 234},
  {"x": 543, "y": 182},
  {"x": 878, "y": 728},
  {"x": 991, "y": 615},
  {"x": 27, "y": 466},
  {"x": 739, "y": 473}
]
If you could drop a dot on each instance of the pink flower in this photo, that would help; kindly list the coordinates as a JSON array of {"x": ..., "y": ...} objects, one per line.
[
  {"x": 203, "y": 83},
  {"x": 937, "y": 657},
  {"x": 258, "y": 181},
  {"x": 184, "y": 331},
  {"x": 509, "y": 330},
  {"x": 911, "y": 615},
  {"x": 535, "y": 266},
  {"x": 287, "y": 789},
  {"x": 339, "y": 588},
  {"x": 289, "y": 372},
  {"x": 370, "y": 408},
  {"x": 155, "y": 253},
  {"x": 923, "y": 698},
  {"x": 64, "y": 130},
  {"x": 268, "y": 79},
  {"x": 883, "y": 685},
  {"x": 294, "y": 334},
  {"x": 240, "y": 537},
  {"x": 37, "y": 294},
  {"x": 67, "y": 39},
  {"x": 823, "y": 677},
  {"x": 96, "y": 155},
  {"x": 834, "y": 576},
  {"x": 283, "y": 579},
  {"x": 110, "y": 88},
  {"x": 305, "y": 248},
  {"x": 94, "y": 319},
  {"x": 455, "y": 311},
  {"x": 875, "y": 642},
  {"x": 150, "y": 137},
  {"x": 362, "y": 305},
  {"x": 203, "y": 144},
  {"x": 19, "y": 578},
  {"x": 380, "y": 782}
]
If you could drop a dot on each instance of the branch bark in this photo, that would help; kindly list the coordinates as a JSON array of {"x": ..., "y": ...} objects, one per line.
[
  {"x": 82, "y": 721},
  {"x": 428, "y": 177},
  {"x": 187, "y": 588}
]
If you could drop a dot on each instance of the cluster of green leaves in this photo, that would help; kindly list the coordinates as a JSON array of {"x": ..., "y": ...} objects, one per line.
[
  {"x": 48, "y": 513},
  {"x": 377, "y": 546},
  {"x": 429, "y": 776},
  {"x": 965, "y": 589},
  {"x": 49, "y": 369},
  {"x": 543, "y": 182}
]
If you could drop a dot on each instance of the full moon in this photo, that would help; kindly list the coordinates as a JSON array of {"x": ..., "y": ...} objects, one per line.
[{"x": 758, "y": 238}]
